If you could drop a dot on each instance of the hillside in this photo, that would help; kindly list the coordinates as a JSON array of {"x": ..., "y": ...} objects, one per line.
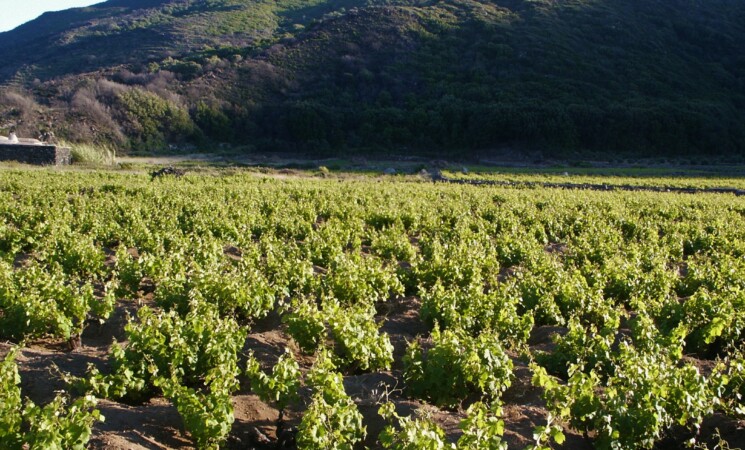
[{"x": 451, "y": 77}]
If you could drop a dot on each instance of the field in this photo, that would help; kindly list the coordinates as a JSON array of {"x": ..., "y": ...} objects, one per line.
[{"x": 240, "y": 309}]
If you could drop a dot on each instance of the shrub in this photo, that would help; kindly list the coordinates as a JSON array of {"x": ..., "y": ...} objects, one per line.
[
  {"x": 92, "y": 154},
  {"x": 456, "y": 365},
  {"x": 155, "y": 120}
]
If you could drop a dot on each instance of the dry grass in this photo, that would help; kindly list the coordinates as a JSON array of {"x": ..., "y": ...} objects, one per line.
[{"x": 92, "y": 154}]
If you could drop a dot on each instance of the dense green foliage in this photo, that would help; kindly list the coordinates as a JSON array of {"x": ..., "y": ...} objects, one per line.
[
  {"x": 154, "y": 120},
  {"x": 56, "y": 425},
  {"x": 193, "y": 360},
  {"x": 641, "y": 287},
  {"x": 38, "y": 301},
  {"x": 457, "y": 364},
  {"x": 281, "y": 386},
  {"x": 453, "y": 77},
  {"x": 332, "y": 420}
]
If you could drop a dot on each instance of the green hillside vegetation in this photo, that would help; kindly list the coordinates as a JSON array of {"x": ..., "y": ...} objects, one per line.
[{"x": 460, "y": 78}]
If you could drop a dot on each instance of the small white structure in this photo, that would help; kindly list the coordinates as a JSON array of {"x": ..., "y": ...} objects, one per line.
[{"x": 14, "y": 139}]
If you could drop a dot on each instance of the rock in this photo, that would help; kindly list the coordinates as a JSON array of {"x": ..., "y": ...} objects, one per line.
[
  {"x": 390, "y": 171},
  {"x": 167, "y": 171},
  {"x": 436, "y": 175},
  {"x": 258, "y": 437}
]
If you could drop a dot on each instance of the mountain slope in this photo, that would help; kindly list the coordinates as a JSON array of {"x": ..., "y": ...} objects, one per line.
[
  {"x": 129, "y": 32},
  {"x": 459, "y": 77}
]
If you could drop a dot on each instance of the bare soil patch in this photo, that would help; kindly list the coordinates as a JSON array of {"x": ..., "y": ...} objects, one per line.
[{"x": 157, "y": 425}]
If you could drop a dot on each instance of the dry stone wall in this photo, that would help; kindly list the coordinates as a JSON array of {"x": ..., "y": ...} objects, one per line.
[{"x": 35, "y": 154}]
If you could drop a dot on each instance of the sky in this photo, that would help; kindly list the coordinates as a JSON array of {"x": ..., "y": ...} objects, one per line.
[{"x": 17, "y": 12}]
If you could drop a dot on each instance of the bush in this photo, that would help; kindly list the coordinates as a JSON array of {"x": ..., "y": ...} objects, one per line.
[
  {"x": 154, "y": 120},
  {"x": 457, "y": 365},
  {"x": 55, "y": 425},
  {"x": 92, "y": 154}
]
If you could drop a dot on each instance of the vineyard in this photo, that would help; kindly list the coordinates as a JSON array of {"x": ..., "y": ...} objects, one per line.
[{"x": 232, "y": 309}]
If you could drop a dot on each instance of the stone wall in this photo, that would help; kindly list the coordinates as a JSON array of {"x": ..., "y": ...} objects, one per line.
[{"x": 35, "y": 154}]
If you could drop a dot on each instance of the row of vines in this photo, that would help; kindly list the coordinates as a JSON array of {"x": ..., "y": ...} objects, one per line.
[{"x": 643, "y": 287}]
